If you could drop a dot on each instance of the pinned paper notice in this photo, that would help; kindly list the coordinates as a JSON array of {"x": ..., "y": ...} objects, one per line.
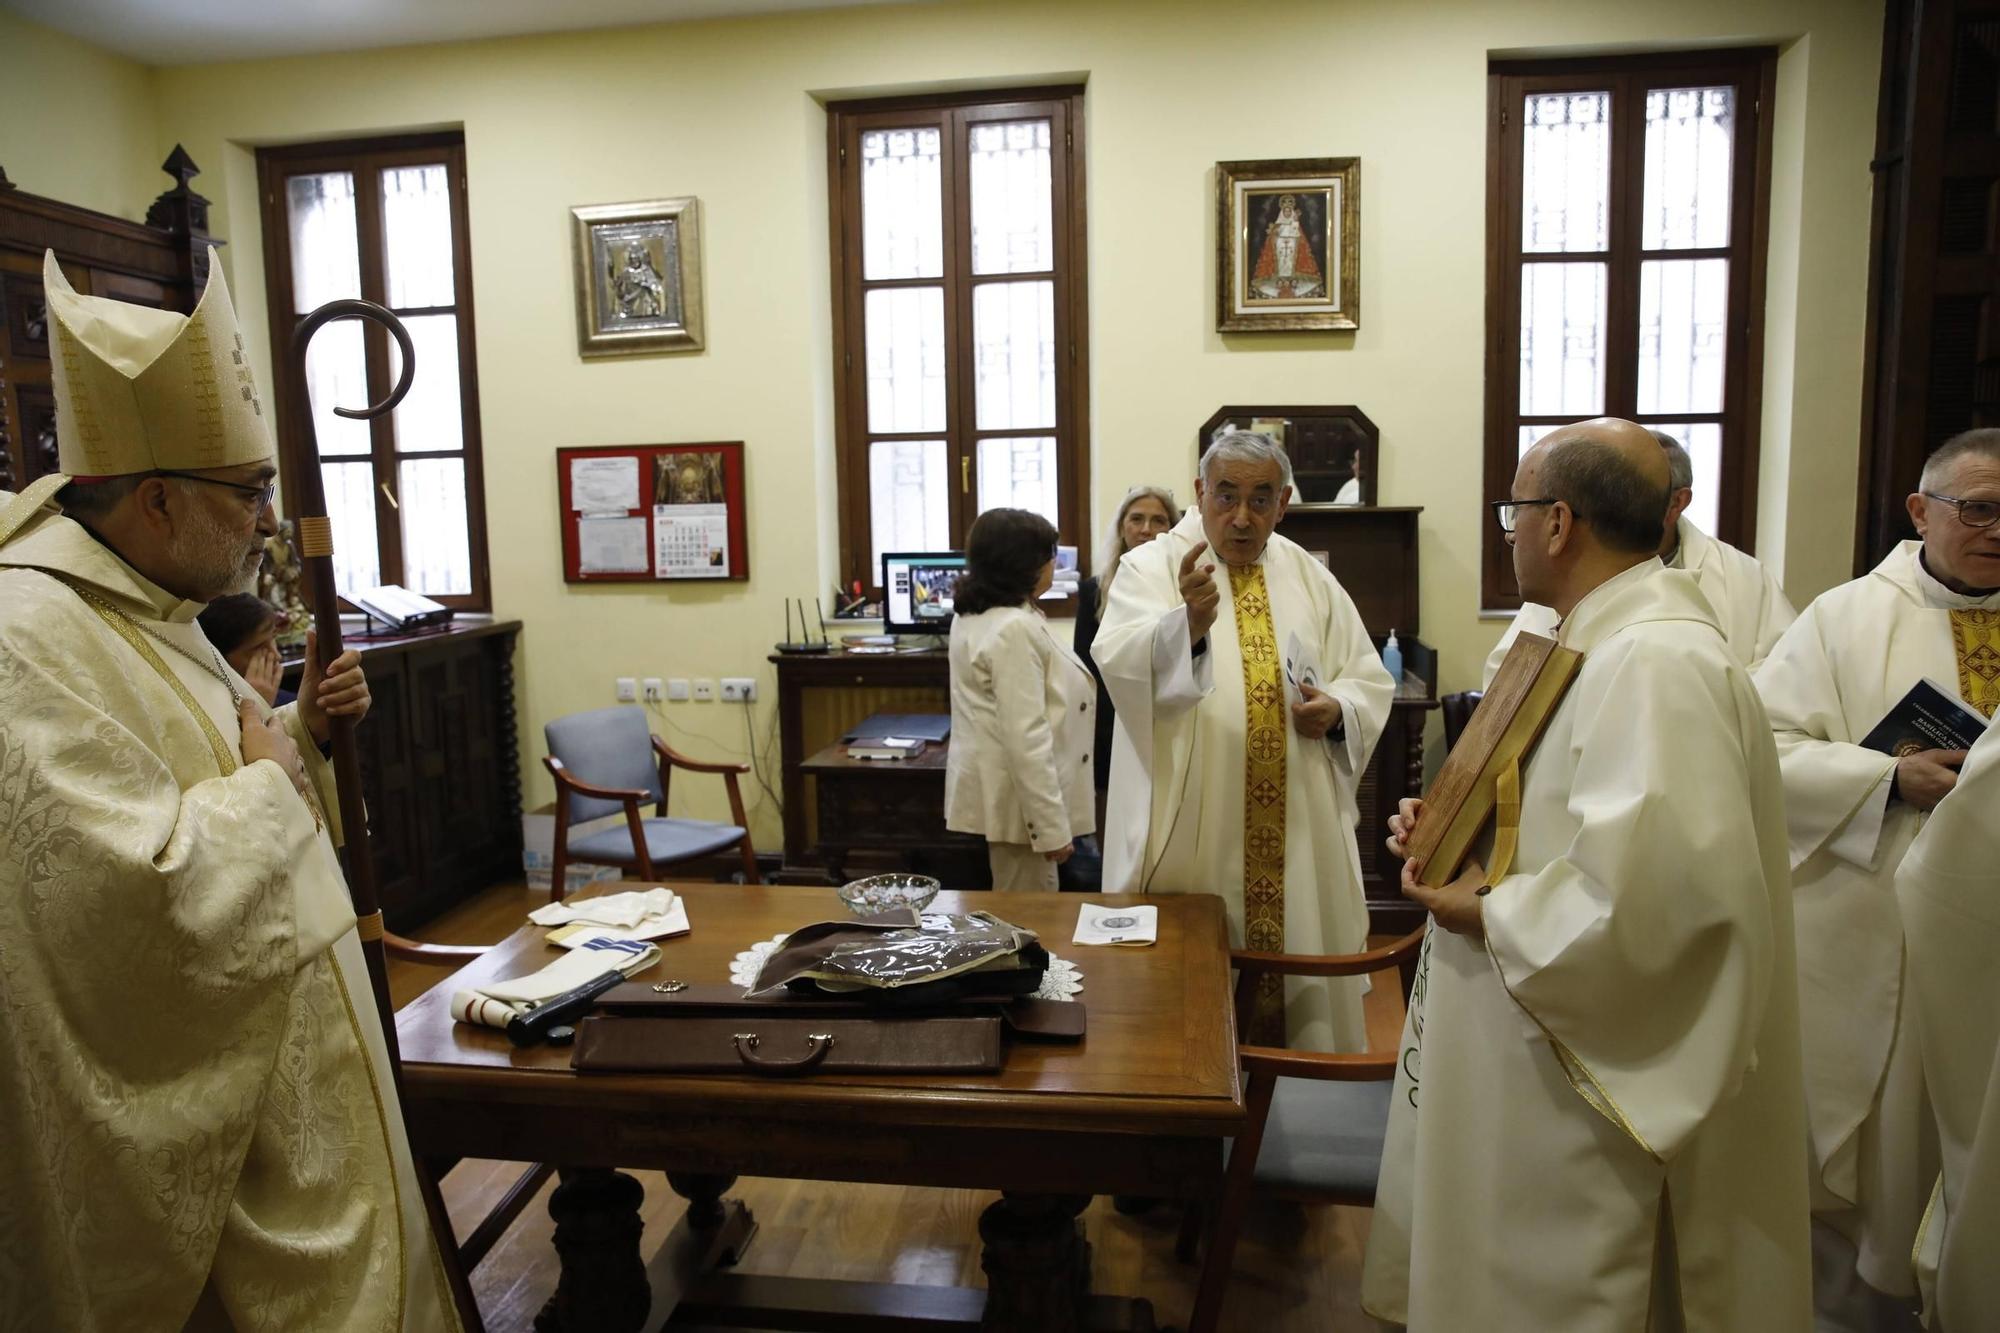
[
  {"x": 604, "y": 485},
  {"x": 1134, "y": 926}
]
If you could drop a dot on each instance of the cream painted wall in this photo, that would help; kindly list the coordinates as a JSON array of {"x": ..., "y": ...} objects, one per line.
[
  {"x": 727, "y": 111},
  {"x": 76, "y": 122}
]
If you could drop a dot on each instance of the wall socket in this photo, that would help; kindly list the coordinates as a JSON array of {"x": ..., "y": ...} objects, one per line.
[
  {"x": 628, "y": 689},
  {"x": 738, "y": 690},
  {"x": 704, "y": 691},
  {"x": 651, "y": 689},
  {"x": 677, "y": 689}
]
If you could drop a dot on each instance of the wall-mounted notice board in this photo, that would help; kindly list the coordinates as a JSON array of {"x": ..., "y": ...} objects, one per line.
[{"x": 640, "y": 512}]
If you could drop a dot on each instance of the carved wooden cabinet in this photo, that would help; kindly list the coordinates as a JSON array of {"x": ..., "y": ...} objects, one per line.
[
  {"x": 162, "y": 263},
  {"x": 440, "y": 768}
]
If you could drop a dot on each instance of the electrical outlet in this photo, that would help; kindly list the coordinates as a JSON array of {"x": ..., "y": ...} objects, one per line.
[
  {"x": 739, "y": 690},
  {"x": 704, "y": 691},
  {"x": 628, "y": 690},
  {"x": 653, "y": 692},
  {"x": 677, "y": 689}
]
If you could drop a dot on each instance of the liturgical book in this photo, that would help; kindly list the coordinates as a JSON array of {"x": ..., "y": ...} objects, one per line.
[
  {"x": 1927, "y": 718},
  {"x": 1486, "y": 761}
]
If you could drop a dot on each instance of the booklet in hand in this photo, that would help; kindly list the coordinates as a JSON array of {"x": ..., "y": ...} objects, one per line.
[{"x": 1927, "y": 718}]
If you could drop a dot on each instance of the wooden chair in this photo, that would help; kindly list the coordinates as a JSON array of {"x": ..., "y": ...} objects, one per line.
[
  {"x": 1315, "y": 1122},
  {"x": 1458, "y": 710},
  {"x": 608, "y": 760},
  {"x": 494, "y": 1225}
]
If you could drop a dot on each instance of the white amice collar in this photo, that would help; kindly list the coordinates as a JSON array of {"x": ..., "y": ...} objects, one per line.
[{"x": 1936, "y": 594}]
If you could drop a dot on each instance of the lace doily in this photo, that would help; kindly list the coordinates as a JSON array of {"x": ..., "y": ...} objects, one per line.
[{"x": 1061, "y": 982}]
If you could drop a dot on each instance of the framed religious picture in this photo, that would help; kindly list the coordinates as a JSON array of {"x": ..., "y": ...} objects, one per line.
[
  {"x": 638, "y": 277},
  {"x": 1288, "y": 236}
]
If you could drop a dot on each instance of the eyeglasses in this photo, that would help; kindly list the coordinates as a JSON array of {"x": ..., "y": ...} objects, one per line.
[
  {"x": 1972, "y": 513},
  {"x": 1508, "y": 512},
  {"x": 263, "y": 493}
]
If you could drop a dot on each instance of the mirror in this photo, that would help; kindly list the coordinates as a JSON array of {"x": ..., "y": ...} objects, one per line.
[{"x": 1333, "y": 448}]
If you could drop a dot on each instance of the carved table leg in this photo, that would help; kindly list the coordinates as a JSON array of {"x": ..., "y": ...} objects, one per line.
[
  {"x": 603, "y": 1286},
  {"x": 1037, "y": 1263}
]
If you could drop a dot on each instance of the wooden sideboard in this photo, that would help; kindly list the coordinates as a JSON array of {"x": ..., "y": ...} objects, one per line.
[{"x": 440, "y": 766}]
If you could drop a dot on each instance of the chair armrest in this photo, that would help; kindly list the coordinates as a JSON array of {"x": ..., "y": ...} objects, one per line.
[
  {"x": 1329, "y": 965},
  {"x": 431, "y": 955},
  {"x": 1281, "y": 1063},
  {"x": 631, "y": 796},
  {"x": 679, "y": 760}
]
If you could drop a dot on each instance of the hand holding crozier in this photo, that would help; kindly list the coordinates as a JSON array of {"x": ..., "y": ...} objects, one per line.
[{"x": 1201, "y": 593}]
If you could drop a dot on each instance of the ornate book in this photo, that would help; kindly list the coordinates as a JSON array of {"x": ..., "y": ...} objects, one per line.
[{"x": 1504, "y": 728}]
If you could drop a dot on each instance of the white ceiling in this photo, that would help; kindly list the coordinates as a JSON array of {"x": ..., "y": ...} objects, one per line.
[{"x": 185, "y": 32}]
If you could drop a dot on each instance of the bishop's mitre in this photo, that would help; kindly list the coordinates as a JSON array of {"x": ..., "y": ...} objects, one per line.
[{"x": 139, "y": 389}]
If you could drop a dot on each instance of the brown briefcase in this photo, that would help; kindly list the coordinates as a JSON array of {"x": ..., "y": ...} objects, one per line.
[{"x": 771, "y": 1045}]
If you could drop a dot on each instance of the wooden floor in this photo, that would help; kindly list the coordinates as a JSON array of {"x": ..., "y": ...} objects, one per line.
[{"x": 1297, "y": 1270}]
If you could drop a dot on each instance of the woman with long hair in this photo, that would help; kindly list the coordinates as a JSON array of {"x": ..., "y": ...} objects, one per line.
[
  {"x": 1144, "y": 513},
  {"x": 1018, "y": 772}
]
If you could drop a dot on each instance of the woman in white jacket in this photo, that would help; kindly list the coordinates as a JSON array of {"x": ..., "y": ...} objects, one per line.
[{"x": 1022, "y": 708}]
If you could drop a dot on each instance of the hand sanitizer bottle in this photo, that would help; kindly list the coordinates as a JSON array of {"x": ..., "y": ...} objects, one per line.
[{"x": 1392, "y": 659}]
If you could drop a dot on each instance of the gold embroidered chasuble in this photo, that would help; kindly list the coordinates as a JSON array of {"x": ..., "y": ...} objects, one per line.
[
  {"x": 192, "y": 1046},
  {"x": 1975, "y": 641},
  {"x": 1264, "y": 728},
  {"x": 1198, "y": 733}
]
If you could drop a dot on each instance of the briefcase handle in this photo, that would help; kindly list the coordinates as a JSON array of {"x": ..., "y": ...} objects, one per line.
[{"x": 746, "y": 1045}]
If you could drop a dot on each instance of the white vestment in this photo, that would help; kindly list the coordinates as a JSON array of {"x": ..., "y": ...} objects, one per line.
[
  {"x": 1596, "y": 1124},
  {"x": 193, "y": 1079},
  {"x": 1841, "y": 667},
  {"x": 1175, "y": 813},
  {"x": 1949, "y": 889},
  {"x": 1748, "y": 601}
]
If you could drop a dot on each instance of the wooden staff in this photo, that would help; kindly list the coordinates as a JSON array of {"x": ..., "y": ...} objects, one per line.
[{"x": 305, "y": 501}]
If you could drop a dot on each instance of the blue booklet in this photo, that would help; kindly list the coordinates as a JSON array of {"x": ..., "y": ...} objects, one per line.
[{"x": 1929, "y": 717}]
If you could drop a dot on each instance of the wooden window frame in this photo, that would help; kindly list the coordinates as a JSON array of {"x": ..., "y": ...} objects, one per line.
[
  {"x": 1753, "y": 73},
  {"x": 365, "y": 159},
  {"x": 951, "y": 115}
]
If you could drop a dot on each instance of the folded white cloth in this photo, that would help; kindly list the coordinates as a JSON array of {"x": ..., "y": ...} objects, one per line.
[{"x": 623, "y": 910}]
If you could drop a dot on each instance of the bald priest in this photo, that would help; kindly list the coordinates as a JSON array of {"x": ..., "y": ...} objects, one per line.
[{"x": 201, "y": 1125}]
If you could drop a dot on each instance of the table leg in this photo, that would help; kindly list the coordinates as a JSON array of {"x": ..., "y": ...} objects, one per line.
[
  {"x": 1037, "y": 1264},
  {"x": 603, "y": 1287}
]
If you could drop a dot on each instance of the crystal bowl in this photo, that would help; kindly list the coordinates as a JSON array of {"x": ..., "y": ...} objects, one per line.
[{"x": 886, "y": 893}]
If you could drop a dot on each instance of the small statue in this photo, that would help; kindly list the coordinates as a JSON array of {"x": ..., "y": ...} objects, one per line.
[
  {"x": 639, "y": 289},
  {"x": 278, "y": 583}
]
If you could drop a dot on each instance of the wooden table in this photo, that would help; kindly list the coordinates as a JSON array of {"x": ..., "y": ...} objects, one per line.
[
  {"x": 1141, "y": 1106},
  {"x": 887, "y": 805}
]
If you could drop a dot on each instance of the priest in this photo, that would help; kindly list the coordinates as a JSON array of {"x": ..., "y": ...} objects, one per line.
[
  {"x": 1596, "y": 1125},
  {"x": 193, "y": 1080},
  {"x": 1749, "y": 602},
  {"x": 1929, "y": 611},
  {"x": 1949, "y": 889},
  {"x": 1249, "y": 697}
]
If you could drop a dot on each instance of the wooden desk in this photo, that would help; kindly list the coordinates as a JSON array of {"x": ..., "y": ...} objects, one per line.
[
  {"x": 1139, "y": 1107},
  {"x": 894, "y": 806}
]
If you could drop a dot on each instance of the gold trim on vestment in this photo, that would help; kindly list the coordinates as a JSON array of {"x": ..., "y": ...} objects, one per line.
[
  {"x": 1917, "y": 1247},
  {"x": 125, "y": 628},
  {"x": 1265, "y": 734},
  {"x": 1975, "y": 641},
  {"x": 388, "y": 1143}
]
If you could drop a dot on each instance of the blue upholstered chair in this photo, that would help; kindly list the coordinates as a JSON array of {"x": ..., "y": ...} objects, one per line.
[
  {"x": 608, "y": 760},
  {"x": 1315, "y": 1122}
]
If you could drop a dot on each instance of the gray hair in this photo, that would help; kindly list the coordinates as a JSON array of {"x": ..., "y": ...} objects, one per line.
[
  {"x": 1606, "y": 491},
  {"x": 1680, "y": 468},
  {"x": 1983, "y": 442},
  {"x": 96, "y": 499},
  {"x": 1114, "y": 541},
  {"x": 1243, "y": 446}
]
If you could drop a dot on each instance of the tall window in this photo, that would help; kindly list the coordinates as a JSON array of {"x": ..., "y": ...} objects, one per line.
[
  {"x": 958, "y": 318},
  {"x": 1625, "y": 266},
  {"x": 385, "y": 221}
]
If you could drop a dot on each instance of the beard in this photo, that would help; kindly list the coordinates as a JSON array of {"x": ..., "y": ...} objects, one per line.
[{"x": 214, "y": 561}]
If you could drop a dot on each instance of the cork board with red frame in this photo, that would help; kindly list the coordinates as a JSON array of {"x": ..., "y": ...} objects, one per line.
[{"x": 650, "y": 513}]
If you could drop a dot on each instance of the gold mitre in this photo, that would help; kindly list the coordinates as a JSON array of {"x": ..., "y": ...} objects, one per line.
[{"x": 139, "y": 389}]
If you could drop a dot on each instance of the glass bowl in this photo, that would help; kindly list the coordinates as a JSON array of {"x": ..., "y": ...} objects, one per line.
[{"x": 886, "y": 893}]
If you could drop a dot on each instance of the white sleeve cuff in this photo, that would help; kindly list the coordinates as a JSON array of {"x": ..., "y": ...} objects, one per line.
[{"x": 1861, "y": 837}]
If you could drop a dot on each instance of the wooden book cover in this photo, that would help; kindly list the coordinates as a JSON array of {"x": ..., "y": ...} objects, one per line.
[{"x": 1504, "y": 728}]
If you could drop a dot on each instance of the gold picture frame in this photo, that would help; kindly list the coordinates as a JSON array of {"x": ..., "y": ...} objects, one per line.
[
  {"x": 638, "y": 277},
  {"x": 1288, "y": 244}
]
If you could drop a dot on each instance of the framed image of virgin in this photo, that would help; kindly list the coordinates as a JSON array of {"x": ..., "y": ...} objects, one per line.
[
  {"x": 1288, "y": 238},
  {"x": 638, "y": 277}
]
